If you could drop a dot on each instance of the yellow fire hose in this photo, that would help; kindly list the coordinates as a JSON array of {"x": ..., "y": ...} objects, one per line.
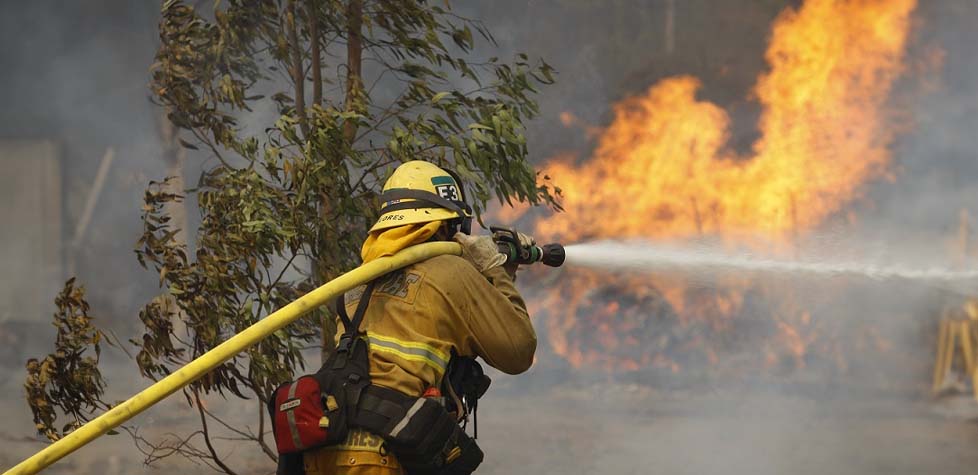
[{"x": 225, "y": 351}]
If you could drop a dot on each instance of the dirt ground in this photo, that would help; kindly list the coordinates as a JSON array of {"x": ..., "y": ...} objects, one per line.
[
  {"x": 617, "y": 428},
  {"x": 729, "y": 432}
]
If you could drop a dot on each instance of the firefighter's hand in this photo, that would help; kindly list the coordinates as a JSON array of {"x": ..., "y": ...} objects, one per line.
[
  {"x": 481, "y": 251},
  {"x": 525, "y": 240}
]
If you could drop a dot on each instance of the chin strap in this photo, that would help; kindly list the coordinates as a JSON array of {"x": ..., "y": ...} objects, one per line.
[{"x": 426, "y": 199}]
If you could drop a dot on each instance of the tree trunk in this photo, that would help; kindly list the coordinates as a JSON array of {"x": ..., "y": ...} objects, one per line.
[
  {"x": 317, "y": 73},
  {"x": 354, "y": 59},
  {"x": 353, "y": 102},
  {"x": 298, "y": 72}
]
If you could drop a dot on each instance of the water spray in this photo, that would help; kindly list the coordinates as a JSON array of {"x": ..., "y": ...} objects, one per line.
[{"x": 637, "y": 256}]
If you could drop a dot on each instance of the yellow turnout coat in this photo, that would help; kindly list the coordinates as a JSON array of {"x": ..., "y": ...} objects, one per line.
[{"x": 416, "y": 317}]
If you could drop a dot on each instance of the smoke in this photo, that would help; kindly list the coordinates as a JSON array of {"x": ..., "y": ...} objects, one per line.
[
  {"x": 76, "y": 74},
  {"x": 937, "y": 166}
]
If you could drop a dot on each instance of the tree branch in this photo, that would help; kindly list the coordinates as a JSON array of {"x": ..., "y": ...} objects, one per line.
[
  {"x": 261, "y": 432},
  {"x": 207, "y": 437}
]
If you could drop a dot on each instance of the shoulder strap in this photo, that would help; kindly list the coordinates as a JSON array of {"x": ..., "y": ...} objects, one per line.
[
  {"x": 341, "y": 310},
  {"x": 353, "y": 328},
  {"x": 361, "y": 309}
]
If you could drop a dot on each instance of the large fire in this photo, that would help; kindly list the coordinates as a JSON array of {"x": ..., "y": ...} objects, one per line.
[{"x": 663, "y": 170}]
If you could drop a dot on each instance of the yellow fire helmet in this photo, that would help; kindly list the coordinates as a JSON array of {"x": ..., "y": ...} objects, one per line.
[{"x": 420, "y": 192}]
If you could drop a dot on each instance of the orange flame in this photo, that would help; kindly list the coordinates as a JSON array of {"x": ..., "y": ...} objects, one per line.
[{"x": 663, "y": 169}]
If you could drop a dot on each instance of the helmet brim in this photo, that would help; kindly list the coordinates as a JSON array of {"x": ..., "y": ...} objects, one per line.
[{"x": 403, "y": 217}]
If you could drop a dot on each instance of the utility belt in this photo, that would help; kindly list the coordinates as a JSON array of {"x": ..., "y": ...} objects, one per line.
[{"x": 319, "y": 410}]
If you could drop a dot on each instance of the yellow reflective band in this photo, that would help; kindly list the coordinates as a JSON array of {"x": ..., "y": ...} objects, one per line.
[
  {"x": 411, "y": 351},
  {"x": 410, "y": 357},
  {"x": 438, "y": 354}
]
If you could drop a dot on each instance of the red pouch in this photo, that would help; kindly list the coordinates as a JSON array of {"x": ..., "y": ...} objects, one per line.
[{"x": 298, "y": 418}]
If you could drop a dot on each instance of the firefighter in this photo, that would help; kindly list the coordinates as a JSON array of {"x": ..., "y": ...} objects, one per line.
[{"x": 421, "y": 317}]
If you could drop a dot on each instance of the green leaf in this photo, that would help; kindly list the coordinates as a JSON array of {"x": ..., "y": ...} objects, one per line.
[
  {"x": 186, "y": 144},
  {"x": 438, "y": 97}
]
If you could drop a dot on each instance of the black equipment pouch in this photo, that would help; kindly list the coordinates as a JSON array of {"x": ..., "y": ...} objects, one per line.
[{"x": 426, "y": 439}]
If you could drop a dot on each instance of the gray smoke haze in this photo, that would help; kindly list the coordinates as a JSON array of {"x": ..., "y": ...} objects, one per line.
[
  {"x": 76, "y": 72},
  {"x": 937, "y": 161}
]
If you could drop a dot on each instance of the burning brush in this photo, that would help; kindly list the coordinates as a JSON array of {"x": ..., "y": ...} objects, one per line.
[{"x": 663, "y": 171}]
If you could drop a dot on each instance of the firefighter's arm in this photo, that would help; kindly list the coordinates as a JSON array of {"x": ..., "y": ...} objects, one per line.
[{"x": 495, "y": 319}]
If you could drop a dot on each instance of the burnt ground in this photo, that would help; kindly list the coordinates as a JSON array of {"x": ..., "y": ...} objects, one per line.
[{"x": 622, "y": 428}]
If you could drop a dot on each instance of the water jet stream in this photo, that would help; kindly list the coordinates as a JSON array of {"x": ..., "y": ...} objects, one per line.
[{"x": 637, "y": 256}]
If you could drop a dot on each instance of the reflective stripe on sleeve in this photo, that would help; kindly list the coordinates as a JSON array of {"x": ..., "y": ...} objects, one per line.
[{"x": 412, "y": 351}]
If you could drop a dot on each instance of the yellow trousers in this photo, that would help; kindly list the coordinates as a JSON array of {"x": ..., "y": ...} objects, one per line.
[{"x": 361, "y": 454}]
